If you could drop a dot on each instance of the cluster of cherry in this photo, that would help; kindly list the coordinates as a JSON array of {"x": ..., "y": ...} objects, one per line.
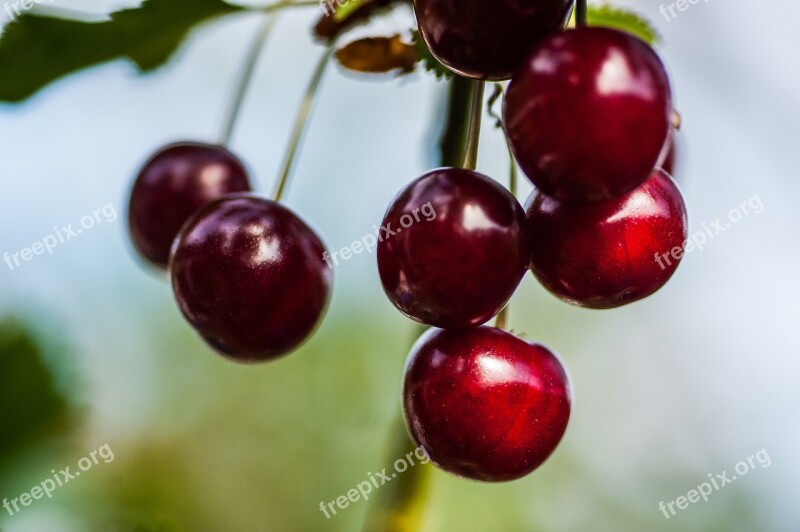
[{"x": 587, "y": 116}]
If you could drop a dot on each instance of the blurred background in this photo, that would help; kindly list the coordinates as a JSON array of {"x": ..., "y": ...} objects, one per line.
[{"x": 93, "y": 350}]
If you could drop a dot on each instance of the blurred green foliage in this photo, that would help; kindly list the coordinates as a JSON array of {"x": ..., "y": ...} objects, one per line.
[
  {"x": 623, "y": 19},
  {"x": 37, "y": 50},
  {"x": 31, "y": 407}
]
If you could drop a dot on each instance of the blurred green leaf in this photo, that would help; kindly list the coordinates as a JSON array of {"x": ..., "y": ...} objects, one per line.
[
  {"x": 348, "y": 8},
  {"x": 36, "y": 50},
  {"x": 30, "y": 404},
  {"x": 428, "y": 60},
  {"x": 622, "y": 19}
]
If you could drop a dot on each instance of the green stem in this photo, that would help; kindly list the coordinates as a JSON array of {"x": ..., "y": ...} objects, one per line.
[
  {"x": 581, "y": 13},
  {"x": 277, "y": 6},
  {"x": 246, "y": 77},
  {"x": 455, "y": 129},
  {"x": 512, "y": 173},
  {"x": 300, "y": 124},
  {"x": 476, "y": 112},
  {"x": 501, "y": 322},
  {"x": 400, "y": 505}
]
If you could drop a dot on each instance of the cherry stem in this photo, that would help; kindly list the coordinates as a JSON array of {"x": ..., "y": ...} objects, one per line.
[
  {"x": 512, "y": 174},
  {"x": 282, "y": 5},
  {"x": 501, "y": 322},
  {"x": 473, "y": 138},
  {"x": 400, "y": 506},
  {"x": 245, "y": 78},
  {"x": 581, "y": 13},
  {"x": 300, "y": 123}
]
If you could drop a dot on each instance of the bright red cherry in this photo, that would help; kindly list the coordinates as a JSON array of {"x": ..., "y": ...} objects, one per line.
[
  {"x": 175, "y": 183},
  {"x": 452, "y": 248},
  {"x": 488, "y": 40},
  {"x": 485, "y": 404},
  {"x": 610, "y": 253},
  {"x": 588, "y": 114},
  {"x": 249, "y": 275}
]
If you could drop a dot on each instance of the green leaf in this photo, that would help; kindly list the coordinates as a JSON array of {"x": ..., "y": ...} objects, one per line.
[
  {"x": 31, "y": 406},
  {"x": 428, "y": 60},
  {"x": 622, "y": 19},
  {"x": 37, "y": 50}
]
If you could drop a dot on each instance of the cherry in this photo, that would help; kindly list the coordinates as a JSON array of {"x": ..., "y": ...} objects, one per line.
[
  {"x": 459, "y": 251},
  {"x": 588, "y": 114},
  {"x": 248, "y": 274},
  {"x": 487, "y": 40},
  {"x": 485, "y": 404},
  {"x": 172, "y": 185},
  {"x": 610, "y": 253}
]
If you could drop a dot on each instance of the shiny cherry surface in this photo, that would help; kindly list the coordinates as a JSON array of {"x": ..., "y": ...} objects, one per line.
[
  {"x": 174, "y": 184},
  {"x": 588, "y": 114},
  {"x": 460, "y": 263},
  {"x": 610, "y": 253},
  {"x": 248, "y": 274},
  {"x": 487, "y": 40},
  {"x": 485, "y": 404}
]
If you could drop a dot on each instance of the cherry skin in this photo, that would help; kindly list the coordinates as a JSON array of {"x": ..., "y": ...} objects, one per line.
[
  {"x": 249, "y": 275},
  {"x": 485, "y": 404},
  {"x": 588, "y": 114},
  {"x": 172, "y": 185},
  {"x": 487, "y": 40},
  {"x": 459, "y": 251},
  {"x": 610, "y": 253}
]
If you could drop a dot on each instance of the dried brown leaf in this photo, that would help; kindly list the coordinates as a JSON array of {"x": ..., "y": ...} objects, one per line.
[
  {"x": 328, "y": 28},
  {"x": 378, "y": 55}
]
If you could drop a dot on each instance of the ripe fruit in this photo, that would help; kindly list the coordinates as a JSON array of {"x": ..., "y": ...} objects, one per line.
[
  {"x": 485, "y": 404},
  {"x": 610, "y": 253},
  {"x": 175, "y": 183},
  {"x": 464, "y": 252},
  {"x": 487, "y": 40},
  {"x": 248, "y": 274},
  {"x": 588, "y": 114}
]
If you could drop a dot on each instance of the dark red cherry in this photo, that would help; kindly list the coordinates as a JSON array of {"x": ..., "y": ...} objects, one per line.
[
  {"x": 248, "y": 274},
  {"x": 487, "y": 40},
  {"x": 609, "y": 253},
  {"x": 453, "y": 248},
  {"x": 174, "y": 183},
  {"x": 588, "y": 114},
  {"x": 485, "y": 404}
]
